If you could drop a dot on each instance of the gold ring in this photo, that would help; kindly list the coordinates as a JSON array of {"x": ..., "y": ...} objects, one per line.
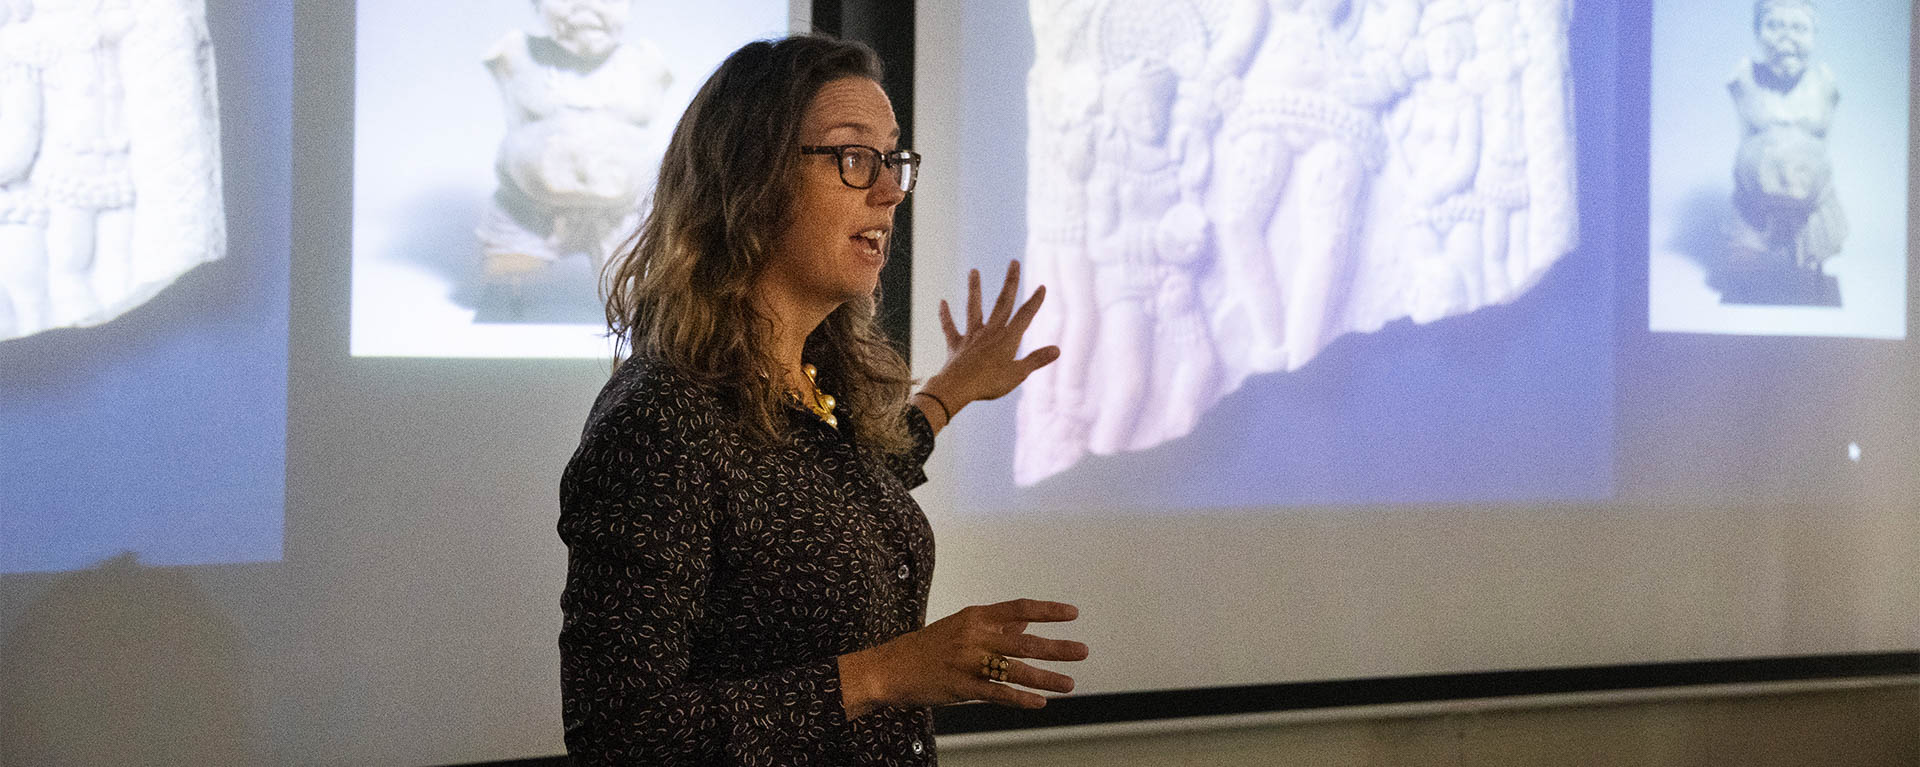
[{"x": 994, "y": 666}]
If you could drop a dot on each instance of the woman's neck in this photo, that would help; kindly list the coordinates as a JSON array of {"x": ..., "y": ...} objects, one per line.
[{"x": 793, "y": 321}]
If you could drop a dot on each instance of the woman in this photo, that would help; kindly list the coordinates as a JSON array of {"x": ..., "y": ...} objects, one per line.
[{"x": 747, "y": 575}]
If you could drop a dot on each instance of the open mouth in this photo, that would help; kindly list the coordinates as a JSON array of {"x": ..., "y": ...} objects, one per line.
[{"x": 869, "y": 241}]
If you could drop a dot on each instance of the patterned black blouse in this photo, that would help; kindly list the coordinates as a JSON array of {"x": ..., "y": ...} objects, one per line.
[{"x": 713, "y": 582}]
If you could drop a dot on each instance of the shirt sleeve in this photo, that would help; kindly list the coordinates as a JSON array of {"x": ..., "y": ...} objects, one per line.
[
  {"x": 637, "y": 508},
  {"x": 910, "y": 466}
]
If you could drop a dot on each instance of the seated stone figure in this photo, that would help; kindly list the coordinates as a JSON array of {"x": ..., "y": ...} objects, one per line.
[
  {"x": 576, "y": 160},
  {"x": 1789, "y": 219}
]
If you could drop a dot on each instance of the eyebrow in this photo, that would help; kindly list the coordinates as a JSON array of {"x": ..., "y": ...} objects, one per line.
[{"x": 856, "y": 125}]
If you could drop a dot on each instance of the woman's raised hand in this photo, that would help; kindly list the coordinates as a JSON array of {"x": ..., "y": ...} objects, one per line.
[
  {"x": 941, "y": 663},
  {"x": 981, "y": 362}
]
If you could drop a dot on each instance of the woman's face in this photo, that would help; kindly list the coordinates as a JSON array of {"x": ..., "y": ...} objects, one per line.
[{"x": 822, "y": 257}]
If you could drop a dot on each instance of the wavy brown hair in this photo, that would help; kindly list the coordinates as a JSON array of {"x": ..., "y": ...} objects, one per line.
[{"x": 682, "y": 292}]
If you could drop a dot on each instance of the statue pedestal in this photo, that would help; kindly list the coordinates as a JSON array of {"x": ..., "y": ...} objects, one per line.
[{"x": 1788, "y": 287}]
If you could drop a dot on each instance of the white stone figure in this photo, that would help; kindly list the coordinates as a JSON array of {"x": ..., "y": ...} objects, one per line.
[
  {"x": 1789, "y": 217},
  {"x": 85, "y": 168},
  {"x": 1438, "y": 126},
  {"x": 23, "y": 217},
  {"x": 1147, "y": 240},
  {"x": 576, "y": 160},
  {"x": 173, "y": 106},
  {"x": 1308, "y": 130},
  {"x": 1117, "y": 183},
  {"x": 1544, "y": 222},
  {"x": 1063, "y": 99},
  {"x": 123, "y": 190},
  {"x": 1265, "y": 176},
  {"x": 1500, "y": 185}
]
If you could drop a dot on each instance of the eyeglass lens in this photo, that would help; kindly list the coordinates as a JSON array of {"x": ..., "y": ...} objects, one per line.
[
  {"x": 905, "y": 174},
  {"x": 860, "y": 168}
]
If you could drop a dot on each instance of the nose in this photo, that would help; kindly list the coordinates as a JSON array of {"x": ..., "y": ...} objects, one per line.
[{"x": 885, "y": 192}]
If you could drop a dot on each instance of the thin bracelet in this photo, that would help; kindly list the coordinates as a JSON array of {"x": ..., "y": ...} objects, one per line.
[{"x": 945, "y": 413}]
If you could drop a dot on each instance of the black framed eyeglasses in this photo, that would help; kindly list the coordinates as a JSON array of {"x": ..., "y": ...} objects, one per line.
[{"x": 860, "y": 164}]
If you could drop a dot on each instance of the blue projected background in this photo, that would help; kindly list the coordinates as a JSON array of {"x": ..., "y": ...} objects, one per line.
[{"x": 163, "y": 432}]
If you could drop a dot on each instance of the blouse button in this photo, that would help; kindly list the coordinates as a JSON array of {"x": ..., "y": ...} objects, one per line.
[
  {"x": 918, "y": 747},
  {"x": 904, "y": 573}
]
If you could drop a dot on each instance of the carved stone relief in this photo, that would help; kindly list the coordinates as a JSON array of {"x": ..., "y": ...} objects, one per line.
[
  {"x": 1219, "y": 188},
  {"x": 110, "y": 183}
]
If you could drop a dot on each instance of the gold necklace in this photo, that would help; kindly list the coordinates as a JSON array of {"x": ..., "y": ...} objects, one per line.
[{"x": 821, "y": 403}]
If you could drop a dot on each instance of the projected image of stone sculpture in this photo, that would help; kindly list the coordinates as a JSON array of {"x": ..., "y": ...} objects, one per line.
[
  {"x": 110, "y": 182},
  {"x": 1220, "y": 188},
  {"x": 1789, "y": 220},
  {"x": 576, "y": 161}
]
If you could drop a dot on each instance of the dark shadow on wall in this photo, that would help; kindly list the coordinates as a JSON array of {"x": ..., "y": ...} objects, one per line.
[
  {"x": 1701, "y": 231},
  {"x": 440, "y": 239},
  {"x": 125, "y": 664}
]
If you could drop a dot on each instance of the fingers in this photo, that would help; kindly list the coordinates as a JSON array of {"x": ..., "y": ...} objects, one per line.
[
  {"x": 1038, "y": 678},
  {"x": 1040, "y": 358},
  {"x": 947, "y": 326},
  {"x": 1025, "y": 676},
  {"x": 993, "y": 632},
  {"x": 1031, "y": 610},
  {"x": 1009, "y": 292},
  {"x": 1032, "y": 307},
  {"x": 1003, "y": 312},
  {"x": 973, "y": 300},
  {"x": 1039, "y": 648},
  {"x": 1002, "y": 694}
]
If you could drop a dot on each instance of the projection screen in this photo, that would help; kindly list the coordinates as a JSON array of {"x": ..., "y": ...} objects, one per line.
[
  {"x": 279, "y": 483},
  {"x": 1429, "y": 337}
]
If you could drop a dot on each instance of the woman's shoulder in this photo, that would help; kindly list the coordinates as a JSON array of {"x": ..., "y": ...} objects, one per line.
[
  {"x": 647, "y": 396},
  {"x": 654, "y": 441}
]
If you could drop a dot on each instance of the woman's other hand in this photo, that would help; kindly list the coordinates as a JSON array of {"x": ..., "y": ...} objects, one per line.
[
  {"x": 982, "y": 362},
  {"x": 941, "y": 663}
]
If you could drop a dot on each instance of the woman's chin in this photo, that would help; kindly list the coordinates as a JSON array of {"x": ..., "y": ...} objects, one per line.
[{"x": 860, "y": 289}]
